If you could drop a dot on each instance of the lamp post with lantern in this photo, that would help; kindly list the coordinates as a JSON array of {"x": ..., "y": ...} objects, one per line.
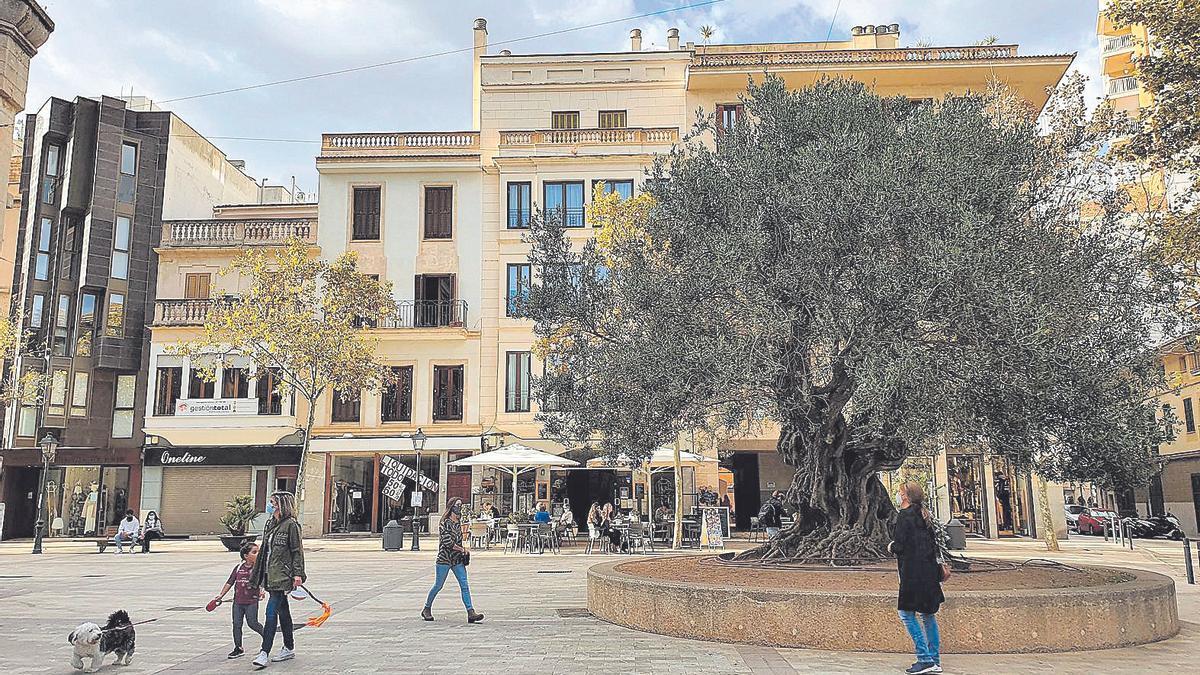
[
  {"x": 418, "y": 441},
  {"x": 49, "y": 446}
]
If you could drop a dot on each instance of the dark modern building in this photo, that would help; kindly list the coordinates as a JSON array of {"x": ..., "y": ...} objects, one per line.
[{"x": 97, "y": 180}]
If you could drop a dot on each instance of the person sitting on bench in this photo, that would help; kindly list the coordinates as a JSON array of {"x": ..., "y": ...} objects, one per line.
[
  {"x": 127, "y": 532},
  {"x": 151, "y": 530}
]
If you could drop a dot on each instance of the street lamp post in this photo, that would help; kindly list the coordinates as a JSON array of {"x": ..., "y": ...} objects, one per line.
[
  {"x": 49, "y": 448},
  {"x": 418, "y": 441}
]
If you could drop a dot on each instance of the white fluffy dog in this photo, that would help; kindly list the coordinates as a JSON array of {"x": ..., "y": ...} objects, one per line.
[{"x": 86, "y": 640}]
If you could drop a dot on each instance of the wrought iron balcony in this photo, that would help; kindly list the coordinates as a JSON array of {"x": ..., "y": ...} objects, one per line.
[
  {"x": 1119, "y": 43},
  {"x": 426, "y": 314},
  {"x": 1120, "y": 86},
  {"x": 237, "y": 233}
]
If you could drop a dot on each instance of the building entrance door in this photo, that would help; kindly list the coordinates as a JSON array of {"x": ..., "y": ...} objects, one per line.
[{"x": 746, "y": 492}]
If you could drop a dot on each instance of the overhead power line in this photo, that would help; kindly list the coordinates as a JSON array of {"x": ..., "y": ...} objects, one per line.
[{"x": 447, "y": 52}]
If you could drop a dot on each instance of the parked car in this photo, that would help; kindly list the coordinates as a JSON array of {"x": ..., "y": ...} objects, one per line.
[
  {"x": 1073, "y": 511},
  {"x": 1092, "y": 521}
]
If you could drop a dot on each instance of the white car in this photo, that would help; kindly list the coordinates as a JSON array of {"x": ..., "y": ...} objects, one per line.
[{"x": 1073, "y": 511}]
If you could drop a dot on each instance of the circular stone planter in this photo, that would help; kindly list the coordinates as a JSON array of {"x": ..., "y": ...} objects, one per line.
[{"x": 991, "y": 622}]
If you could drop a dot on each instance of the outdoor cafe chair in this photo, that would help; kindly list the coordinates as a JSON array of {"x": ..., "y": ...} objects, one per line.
[
  {"x": 513, "y": 539},
  {"x": 636, "y": 536},
  {"x": 594, "y": 538},
  {"x": 756, "y": 530},
  {"x": 479, "y": 534},
  {"x": 542, "y": 538}
]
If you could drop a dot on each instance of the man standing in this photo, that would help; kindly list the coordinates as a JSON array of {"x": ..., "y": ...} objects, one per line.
[{"x": 770, "y": 516}]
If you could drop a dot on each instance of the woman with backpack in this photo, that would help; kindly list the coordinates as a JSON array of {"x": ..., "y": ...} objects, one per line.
[
  {"x": 921, "y": 576},
  {"x": 278, "y": 570},
  {"x": 451, "y": 557}
]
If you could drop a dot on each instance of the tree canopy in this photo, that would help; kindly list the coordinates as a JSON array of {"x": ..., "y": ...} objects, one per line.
[{"x": 875, "y": 277}]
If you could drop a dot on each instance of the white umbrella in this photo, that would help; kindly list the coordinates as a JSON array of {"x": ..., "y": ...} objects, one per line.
[{"x": 514, "y": 459}]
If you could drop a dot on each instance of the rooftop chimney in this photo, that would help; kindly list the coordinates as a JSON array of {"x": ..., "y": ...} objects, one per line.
[
  {"x": 882, "y": 36},
  {"x": 477, "y": 53},
  {"x": 673, "y": 39},
  {"x": 635, "y": 40}
]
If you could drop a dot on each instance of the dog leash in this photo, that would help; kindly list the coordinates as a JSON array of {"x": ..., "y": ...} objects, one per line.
[{"x": 129, "y": 625}]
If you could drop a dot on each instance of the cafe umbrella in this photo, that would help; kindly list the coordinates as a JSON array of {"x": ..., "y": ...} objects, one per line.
[{"x": 515, "y": 459}]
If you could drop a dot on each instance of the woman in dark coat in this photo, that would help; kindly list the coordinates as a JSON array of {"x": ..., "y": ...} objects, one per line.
[
  {"x": 920, "y": 578},
  {"x": 279, "y": 569}
]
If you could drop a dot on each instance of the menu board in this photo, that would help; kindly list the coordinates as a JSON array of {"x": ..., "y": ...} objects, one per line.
[{"x": 714, "y": 526}]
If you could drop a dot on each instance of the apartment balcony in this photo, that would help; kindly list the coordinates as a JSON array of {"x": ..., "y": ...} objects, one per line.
[
  {"x": 606, "y": 141},
  {"x": 216, "y": 233},
  {"x": 399, "y": 144},
  {"x": 1119, "y": 43},
  {"x": 189, "y": 312},
  {"x": 426, "y": 314},
  {"x": 1121, "y": 86}
]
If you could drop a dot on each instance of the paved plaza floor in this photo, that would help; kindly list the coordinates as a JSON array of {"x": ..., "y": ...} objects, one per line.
[{"x": 536, "y": 620}]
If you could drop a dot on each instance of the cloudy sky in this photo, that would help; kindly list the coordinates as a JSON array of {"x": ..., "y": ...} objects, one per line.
[{"x": 168, "y": 49}]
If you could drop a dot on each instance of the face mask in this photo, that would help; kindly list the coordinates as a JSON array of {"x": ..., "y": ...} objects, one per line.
[
  {"x": 129, "y": 519},
  {"x": 270, "y": 509},
  {"x": 456, "y": 509}
]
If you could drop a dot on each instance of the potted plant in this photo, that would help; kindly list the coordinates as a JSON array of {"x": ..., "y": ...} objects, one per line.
[{"x": 239, "y": 513}]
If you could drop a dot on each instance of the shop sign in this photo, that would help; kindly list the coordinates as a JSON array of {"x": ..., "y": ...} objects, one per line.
[
  {"x": 393, "y": 489},
  {"x": 217, "y": 406},
  {"x": 392, "y": 468},
  {"x": 222, "y": 456}
]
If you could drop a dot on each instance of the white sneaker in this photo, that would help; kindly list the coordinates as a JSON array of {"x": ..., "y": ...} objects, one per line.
[
  {"x": 260, "y": 661},
  {"x": 284, "y": 654}
]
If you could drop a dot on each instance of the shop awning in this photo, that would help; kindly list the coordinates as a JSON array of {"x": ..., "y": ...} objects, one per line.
[{"x": 515, "y": 459}]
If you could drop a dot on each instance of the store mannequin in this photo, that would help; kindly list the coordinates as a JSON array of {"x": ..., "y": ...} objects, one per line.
[
  {"x": 89, "y": 509},
  {"x": 77, "y": 501}
]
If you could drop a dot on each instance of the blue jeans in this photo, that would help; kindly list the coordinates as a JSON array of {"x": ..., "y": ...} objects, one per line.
[
  {"x": 923, "y": 630},
  {"x": 460, "y": 573},
  {"x": 279, "y": 616}
]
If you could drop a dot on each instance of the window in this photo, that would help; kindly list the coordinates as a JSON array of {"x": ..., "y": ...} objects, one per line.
[
  {"x": 127, "y": 182},
  {"x": 58, "y": 393},
  {"x": 1182, "y": 364},
  {"x": 516, "y": 387},
  {"x": 123, "y": 403},
  {"x": 366, "y": 213},
  {"x": 519, "y": 280},
  {"x": 41, "y": 270},
  {"x": 62, "y": 326},
  {"x": 167, "y": 390},
  {"x": 564, "y": 120},
  {"x": 1189, "y": 418},
  {"x": 518, "y": 206},
  {"x": 30, "y": 404},
  {"x": 120, "y": 256},
  {"x": 114, "y": 325},
  {"x": 564, "y": 203},
  {"x": 87, "y": 324},
  {"x": 447, "y": 393},
  {"x": 612, "y": 119},
  {"x": 270, "y": 398},
  {"x": 198, "y": 386},
  {"x": 623, "y": 188},
  {"x": 196, "y": 286},
  {"x": 397, "y": 396},
  {"x": 235, "y": 383},
  {"x": 551, "y": 367},
  {"x": 79, "y": 394},
  {"x": 67, "y": 261},
  {"x": 439, "y": 212},
  {"x": 345, "y": 406},
  {"x": 1195, "y": 362},
  {"x": 728, "y": 116},
  {"x": 37, "y": 313},
  {"x": 50, "y": 181}
]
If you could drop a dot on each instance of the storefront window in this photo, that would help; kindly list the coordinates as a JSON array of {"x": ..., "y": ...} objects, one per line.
[
  {"x": 83, "y": 501},
  {"x": 1012, "y": 517},
  {"x": 965, "y": 487},
  {"x": 350, "y": 494},
  {"x": 395, "y": 509}
]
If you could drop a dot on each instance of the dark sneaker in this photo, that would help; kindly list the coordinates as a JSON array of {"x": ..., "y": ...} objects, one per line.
[
  {"x": 922, "y": 667},
  {"x": 427, "y": 614},
  {"x": 237, "y": 651}
]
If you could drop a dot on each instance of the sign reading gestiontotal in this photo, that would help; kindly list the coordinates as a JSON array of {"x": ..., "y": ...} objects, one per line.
[
  {"x": 392, "y": 468},
  {"x": 217, "y": 406}
]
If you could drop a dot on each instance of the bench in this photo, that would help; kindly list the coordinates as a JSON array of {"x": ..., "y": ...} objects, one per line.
[{"x": 104, "y": 542}]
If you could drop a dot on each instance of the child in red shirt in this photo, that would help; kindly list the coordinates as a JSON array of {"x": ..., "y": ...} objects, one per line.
[{"x": 245, "y": 597}]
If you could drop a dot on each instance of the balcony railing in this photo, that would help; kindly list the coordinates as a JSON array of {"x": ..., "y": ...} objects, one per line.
[
  {"x": 625, "y": 136},
  {"x": 1119, "y": 86},
  {"x": 518, "y": 219},
  {"x": 428, "y": 143},
  {"x": 426, "y": 314},
  {"x": 797, "y": 58},
  {"x": 190, "y": 312},
  {"x": 1119, "y": 43},
  {"x": 206, "y": 233}
]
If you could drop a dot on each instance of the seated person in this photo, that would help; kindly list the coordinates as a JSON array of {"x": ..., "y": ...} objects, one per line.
[
  {"x": 151, "y": 530},
  {"x": 567, "y": 519},
  {"x": 127, "y": 532},
  {"x": 542, "y": 515},
  {"x": 488, "y": 512}
]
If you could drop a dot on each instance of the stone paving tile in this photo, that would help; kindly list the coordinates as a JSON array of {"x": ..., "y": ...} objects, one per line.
[{"x": 375, "y": 628}]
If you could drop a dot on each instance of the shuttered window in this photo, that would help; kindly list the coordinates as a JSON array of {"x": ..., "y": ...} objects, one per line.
[
  {"x": 397, "y": 396},
  {"x": 447, "y": 393},
  {"x": 439, "y": 212},
  {"x": 366, "y": 213},
  {"x": 196, "y": 286}
]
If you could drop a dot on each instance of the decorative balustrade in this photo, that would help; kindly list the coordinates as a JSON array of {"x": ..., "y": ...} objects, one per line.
[
  {"x": 623, "y": 136},
  {"x": 189, "y": 312},
  {"x": 433, "y": 142},
  {"x": 752, "y": 59},
  {"x": 187, "y": 233}
]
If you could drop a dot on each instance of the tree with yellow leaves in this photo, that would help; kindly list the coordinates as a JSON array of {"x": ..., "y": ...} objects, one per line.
[{"x": 303, "y": 319}]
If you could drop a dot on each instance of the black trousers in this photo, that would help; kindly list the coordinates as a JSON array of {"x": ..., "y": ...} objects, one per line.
[{"x": 248, "y": 612}]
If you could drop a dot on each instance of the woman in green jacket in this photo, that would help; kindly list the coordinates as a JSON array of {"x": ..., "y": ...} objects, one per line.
[{"x": 279, "y": 569}]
